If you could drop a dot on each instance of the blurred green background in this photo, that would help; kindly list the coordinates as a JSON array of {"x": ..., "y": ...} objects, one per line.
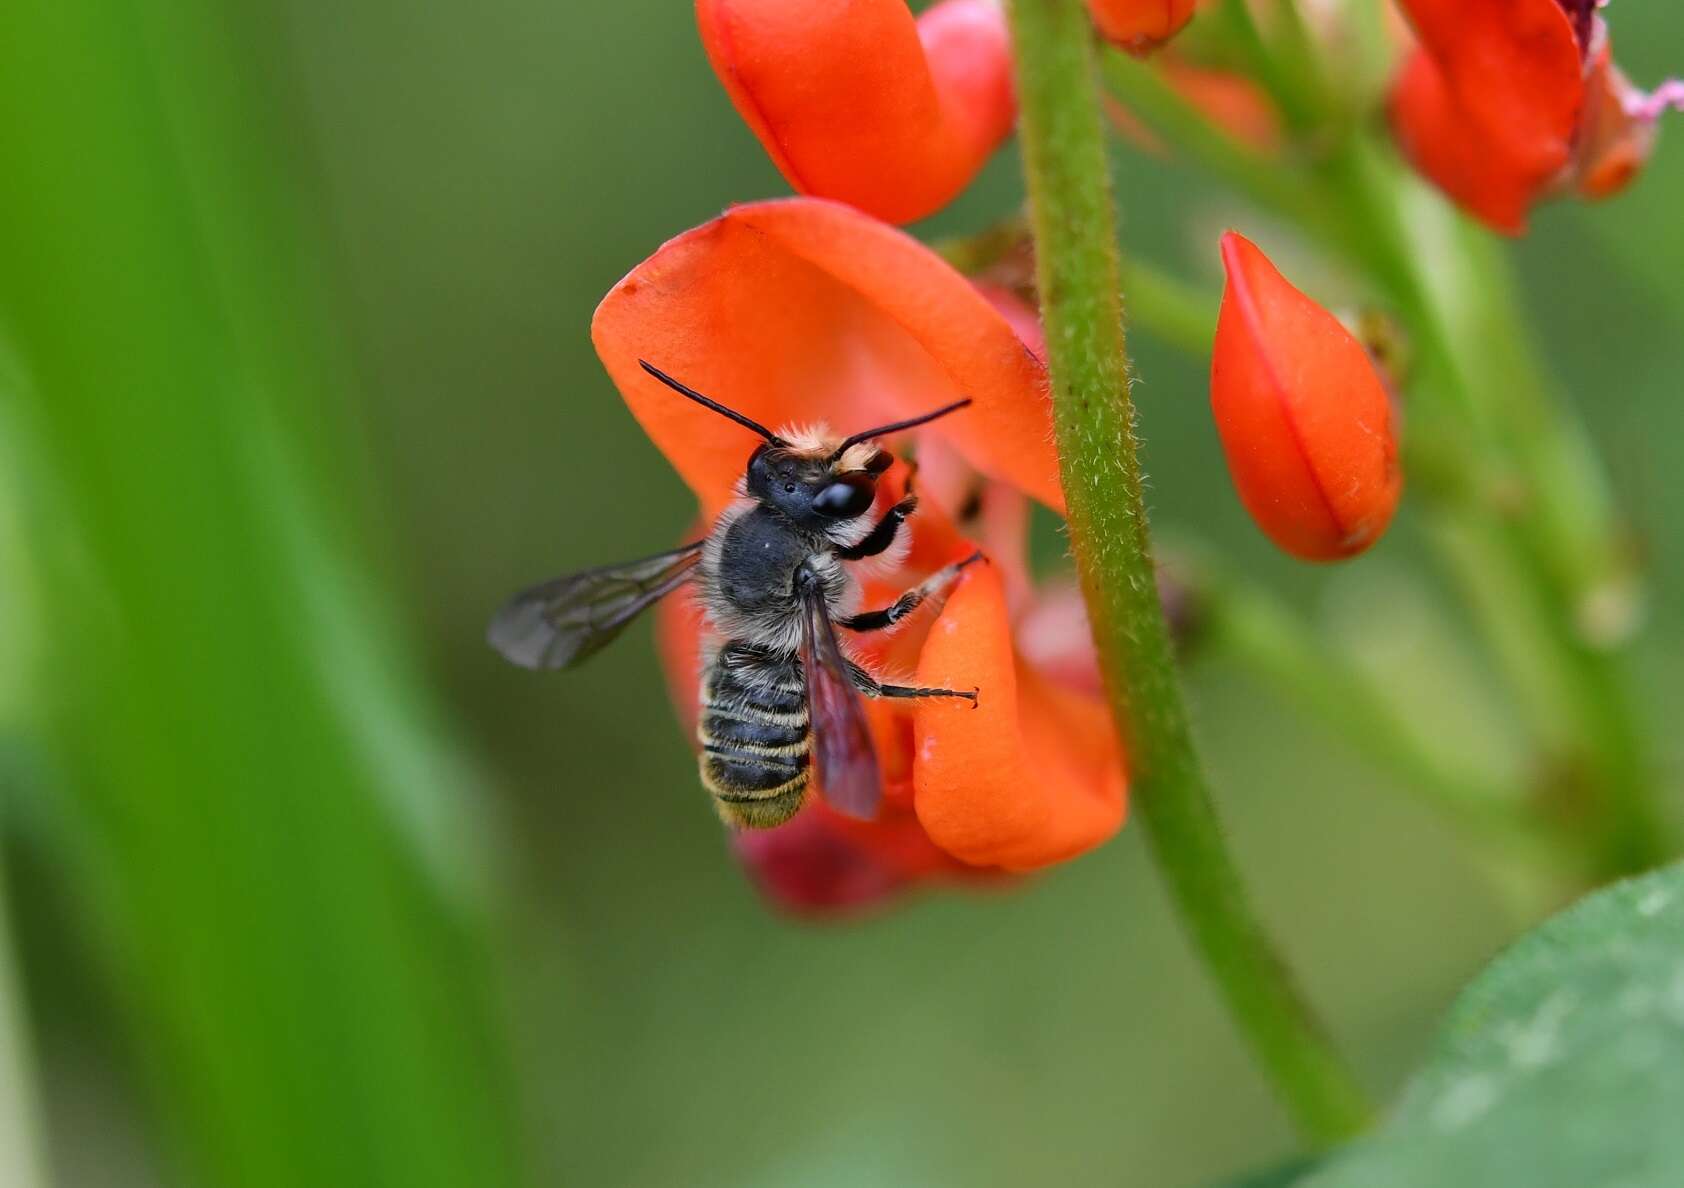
[{"x": 303, "y": 884}]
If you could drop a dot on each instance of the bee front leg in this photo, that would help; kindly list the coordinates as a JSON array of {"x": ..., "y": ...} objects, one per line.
[
  {"x": 877, "y": 620},
  {"x": 881, "y": 536}
]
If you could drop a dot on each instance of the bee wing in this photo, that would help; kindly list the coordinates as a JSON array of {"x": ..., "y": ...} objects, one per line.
[
  {"x": 843, "y": 754},
  {"x": 562, "y": 622}
]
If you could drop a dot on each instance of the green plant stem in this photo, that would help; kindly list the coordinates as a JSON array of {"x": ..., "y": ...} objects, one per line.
[
  {"x": 1538, "y": 504},
  {"x": 1078, "y": 274},
  {"x": 1174, "y": 310},
  {"x": 1243, "y": 621},
  {"x": 1144, "y": 93}
]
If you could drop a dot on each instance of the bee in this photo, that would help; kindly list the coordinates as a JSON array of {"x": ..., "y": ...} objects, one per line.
[{"x": 780, "y": 695}]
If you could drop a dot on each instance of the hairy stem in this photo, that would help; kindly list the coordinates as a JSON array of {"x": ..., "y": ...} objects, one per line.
[{"x": 1078, "y": 277}]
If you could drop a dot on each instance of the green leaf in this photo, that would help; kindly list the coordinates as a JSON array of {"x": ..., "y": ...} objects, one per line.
[
  {"x": 268, "y": 827},
  {"x": 1562, "y": 1066}
]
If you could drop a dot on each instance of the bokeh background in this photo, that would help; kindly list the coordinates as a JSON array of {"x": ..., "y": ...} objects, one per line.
[{"x": 303, "y": 884}]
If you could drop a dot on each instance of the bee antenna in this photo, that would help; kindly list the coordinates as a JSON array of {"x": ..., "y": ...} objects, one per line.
[
  {"x": 896, "y": 427},
  {"x": 730, "y": 414}
]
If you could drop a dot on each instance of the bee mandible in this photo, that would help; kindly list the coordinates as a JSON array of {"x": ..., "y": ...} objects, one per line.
[{"x": 780, "y": 694}]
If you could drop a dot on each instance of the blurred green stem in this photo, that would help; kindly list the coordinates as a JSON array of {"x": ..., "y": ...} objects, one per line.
[
  {"x": 1532, "y": 493},
  {"x": 1244, "y": 622},
  {"x": 1078, "y": 279}
]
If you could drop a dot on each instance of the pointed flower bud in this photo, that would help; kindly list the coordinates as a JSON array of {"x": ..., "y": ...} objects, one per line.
[
  {"x": 860, "y": 102},
  {"x": 1140, "y": 26},
  {"x": 1304, "y": 418}
]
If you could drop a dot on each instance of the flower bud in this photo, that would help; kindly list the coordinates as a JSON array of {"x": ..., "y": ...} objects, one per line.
[
  {"x": 1304, "y": 418},
  {"x": 860, "y": 102},
  {"x": 1140, "y": 26}
]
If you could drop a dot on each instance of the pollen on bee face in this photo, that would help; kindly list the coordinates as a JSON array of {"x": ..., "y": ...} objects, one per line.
[
  {"x": 814, "y": 438},
  {"x": 858, "y": 456}
]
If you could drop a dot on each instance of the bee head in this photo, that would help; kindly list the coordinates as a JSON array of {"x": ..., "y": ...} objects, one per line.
[
  {"x": 814, "y": 483},
  {"x": 815, "y": 488}
]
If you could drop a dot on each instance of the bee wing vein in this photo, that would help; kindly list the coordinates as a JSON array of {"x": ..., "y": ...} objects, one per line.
[{"x": 562, "y": 622}]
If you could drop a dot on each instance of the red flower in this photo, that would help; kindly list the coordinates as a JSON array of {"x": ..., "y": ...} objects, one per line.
[
  {"x": 1140, "y": 26},
  {"x": 1505, "y": 102},
  {"x": 803, "y": 311},
  {"x": 859, "y": 102},
  {"x": 1305, "y": 421}
]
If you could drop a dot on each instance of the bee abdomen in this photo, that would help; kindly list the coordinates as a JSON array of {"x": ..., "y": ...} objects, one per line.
[{"x": 754, "y": 736}]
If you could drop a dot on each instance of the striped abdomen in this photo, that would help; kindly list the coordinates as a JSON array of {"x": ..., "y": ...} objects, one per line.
[{"x": 754, "y": 736}]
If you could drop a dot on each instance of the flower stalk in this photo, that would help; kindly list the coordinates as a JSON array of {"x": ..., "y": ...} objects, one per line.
[{"x": 1078, "y": 277}]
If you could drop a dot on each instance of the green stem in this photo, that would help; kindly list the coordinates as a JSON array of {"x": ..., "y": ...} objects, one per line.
[
  {"x": 1242, "y": 620},
  {"x": 1180, "y": 313},
  {"x": 1142, "y": 90},
  {"x": 1078, "y": 274},
  {"x": 1551, "y": 539}
]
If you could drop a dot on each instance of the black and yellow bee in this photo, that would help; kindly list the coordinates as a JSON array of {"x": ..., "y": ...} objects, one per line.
[{"x": 779, "y": 693}]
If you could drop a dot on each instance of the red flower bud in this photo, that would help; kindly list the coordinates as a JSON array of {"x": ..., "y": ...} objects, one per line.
[
  {"x": 1140, "y": 26},
  {"x": 1305, "y": 421},
  {"x": 862, "y": 103}
]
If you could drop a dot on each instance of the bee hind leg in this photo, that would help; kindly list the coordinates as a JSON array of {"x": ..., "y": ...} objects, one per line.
[{"x": 872, "y": 687}]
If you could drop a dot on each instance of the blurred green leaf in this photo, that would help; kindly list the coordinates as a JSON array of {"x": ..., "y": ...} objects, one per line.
[
  {"x": 274, "y": 837},
  {"x": 1562, "y": 1066}
]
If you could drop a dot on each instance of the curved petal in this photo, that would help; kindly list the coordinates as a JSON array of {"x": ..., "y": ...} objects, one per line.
[
  {"x": 800, "y": 310},
  {"x": 1140, "y": 26},
  {"x": 860, "y": 102},
  {"x": 1450, "y": 151},
  {"x": 1515, "y": 69},
  {"x": 1305, "y": 422},
  {"x": 1618, "y": 129},
  {"x": 807, "y": 867},
  {"x": 1030, "y": 776}
]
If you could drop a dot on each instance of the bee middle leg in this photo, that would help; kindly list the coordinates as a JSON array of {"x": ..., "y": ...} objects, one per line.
[{"x": 903, "y": 606}]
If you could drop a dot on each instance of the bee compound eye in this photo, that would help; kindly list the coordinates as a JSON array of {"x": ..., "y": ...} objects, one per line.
[{"x": 846, "y": 498}]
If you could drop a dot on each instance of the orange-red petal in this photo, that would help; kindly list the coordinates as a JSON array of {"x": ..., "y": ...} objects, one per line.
[
  {"x": 802, "y": 310},
  {"x": 1140, "y": 26},
  {"x": 1618, "y": 128},
  {"x": 860, "y": 102},
  {"x": 1032, "y": 775},
  {"x": 1514, "y": 68},
  {"x": 1305, "y": 421},
  {"x": 1450, "y": 151}
]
